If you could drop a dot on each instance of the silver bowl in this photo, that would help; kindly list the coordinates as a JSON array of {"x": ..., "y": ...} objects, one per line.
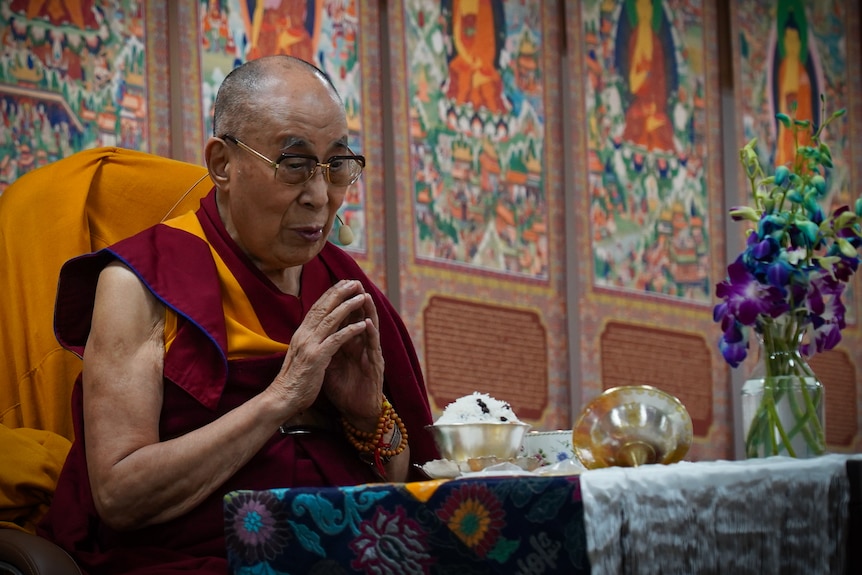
[{"x": 465, "y": 441}]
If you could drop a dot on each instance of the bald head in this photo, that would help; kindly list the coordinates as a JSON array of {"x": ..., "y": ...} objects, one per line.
[{"x": 239, "y": 94}]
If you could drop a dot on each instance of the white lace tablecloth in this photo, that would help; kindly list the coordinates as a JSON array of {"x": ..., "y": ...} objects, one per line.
[{"x": 772, "y": 515}]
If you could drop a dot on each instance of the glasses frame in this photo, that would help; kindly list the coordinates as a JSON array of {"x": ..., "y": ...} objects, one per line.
[{"x": 324, "y": 166}]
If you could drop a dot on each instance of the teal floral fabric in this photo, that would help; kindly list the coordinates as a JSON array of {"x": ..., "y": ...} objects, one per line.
[{"x": 511, "y": 525}]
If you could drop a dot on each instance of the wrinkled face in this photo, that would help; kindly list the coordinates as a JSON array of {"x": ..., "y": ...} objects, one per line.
[{"x": 276, "y": 225}]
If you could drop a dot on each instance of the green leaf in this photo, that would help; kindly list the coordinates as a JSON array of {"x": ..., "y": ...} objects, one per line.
[
  {"x": 825, "y": 151},
  {"x": 802, "y": 123}
]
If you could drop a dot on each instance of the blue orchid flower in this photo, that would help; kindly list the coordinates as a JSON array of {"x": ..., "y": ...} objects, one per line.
[
  {"x": 771, "y": 225},
  {"x": 805, "y": 233},
  {"x": 782, "y": 175}
]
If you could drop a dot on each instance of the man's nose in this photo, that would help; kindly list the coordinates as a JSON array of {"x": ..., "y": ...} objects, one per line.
[{"x": 316, "y": 188}]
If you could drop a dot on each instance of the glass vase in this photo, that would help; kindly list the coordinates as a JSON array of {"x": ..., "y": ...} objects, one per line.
[{"x": 782, "y": 402}]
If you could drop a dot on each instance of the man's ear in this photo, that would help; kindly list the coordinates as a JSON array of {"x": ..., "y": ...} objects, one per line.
[{"x": 216, "y": 156}]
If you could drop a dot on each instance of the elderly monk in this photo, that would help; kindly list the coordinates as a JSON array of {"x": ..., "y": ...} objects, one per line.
[{"x": 233, "y": 347}]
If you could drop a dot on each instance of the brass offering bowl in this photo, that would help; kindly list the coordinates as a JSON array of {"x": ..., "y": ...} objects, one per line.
[{"x": 632, "y": 425}]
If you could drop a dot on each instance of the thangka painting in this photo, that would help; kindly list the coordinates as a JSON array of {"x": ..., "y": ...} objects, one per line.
[
  {"x": 789, "y": 53},
  {"x": 646, "y": 76},
  {"x": 477, "y": 129},
  {"x": 323, "y": 32},
  {"x": 74, "y": 75}
]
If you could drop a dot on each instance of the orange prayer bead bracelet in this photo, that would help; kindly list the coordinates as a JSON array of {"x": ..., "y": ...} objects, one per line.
[{"x": 371, "y": 445}]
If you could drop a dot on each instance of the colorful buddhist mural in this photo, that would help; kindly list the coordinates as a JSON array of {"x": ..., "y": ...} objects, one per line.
[
  {"x": 72, "y": 76},
  {"x": 477, "y": 115},
  {"x": 645, "y": 109},
  {"x": 324, "y": 32}
]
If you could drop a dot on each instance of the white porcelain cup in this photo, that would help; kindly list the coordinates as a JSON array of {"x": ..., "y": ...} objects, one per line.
[{"x": 548, "y": 447}]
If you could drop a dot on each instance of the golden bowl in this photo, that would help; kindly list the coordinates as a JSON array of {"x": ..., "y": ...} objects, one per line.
[
  {"x": 632, "y": 425},
  {"x": 465, "y": 441}
]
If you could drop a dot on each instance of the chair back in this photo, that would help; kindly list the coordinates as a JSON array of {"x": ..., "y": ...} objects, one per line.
[{"x": 76, "y": 205}]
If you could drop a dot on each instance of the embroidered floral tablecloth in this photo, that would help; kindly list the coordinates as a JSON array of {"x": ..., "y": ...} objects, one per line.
[{"x": 511, "y": 525}]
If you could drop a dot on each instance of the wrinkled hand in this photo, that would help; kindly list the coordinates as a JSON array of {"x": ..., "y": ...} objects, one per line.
[
  {"x": 354, "y": 379},
  {"x": 334, "y": 326}
]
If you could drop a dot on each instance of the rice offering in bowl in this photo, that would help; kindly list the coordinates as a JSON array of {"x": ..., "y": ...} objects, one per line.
[
  {"x": 478, "y": 426},
  {"x": 477, "y": 407}
]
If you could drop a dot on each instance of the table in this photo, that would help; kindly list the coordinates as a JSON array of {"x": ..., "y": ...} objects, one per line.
[
  {"x": 760, "y": 516},
  {"x": 776, "y": 515},
  {"x": 501, "y": 525}
]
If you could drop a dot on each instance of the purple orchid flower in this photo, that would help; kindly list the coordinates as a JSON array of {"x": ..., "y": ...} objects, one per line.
[
  {"x": 844, "y": 268},
  {"x": 747, "y": 298},
  {"x": 765, "y": 250},
  {"x": 814, "y": 300},
  {"x": 827, "y": 326},
  {"x": 797, "y": 260},
  {"x": 778, "y": 274},
  {"x": 734, "y": 344}
]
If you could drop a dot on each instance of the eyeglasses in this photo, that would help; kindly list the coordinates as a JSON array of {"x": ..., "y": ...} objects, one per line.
[{"x": 295, "y": 169}]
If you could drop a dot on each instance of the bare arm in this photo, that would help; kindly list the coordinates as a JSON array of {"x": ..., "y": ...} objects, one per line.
[{"x": 138, "y": 480}]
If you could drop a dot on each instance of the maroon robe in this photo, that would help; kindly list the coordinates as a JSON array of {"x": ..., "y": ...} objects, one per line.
[{"x": 202, "y": 385}]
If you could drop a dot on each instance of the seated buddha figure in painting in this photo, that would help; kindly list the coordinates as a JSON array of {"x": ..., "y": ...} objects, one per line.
[
  {"x": 285, "y": 27},
  {"x": 477, "y": 34},
  {"x": 794, "y": 81},
  {"x": 647, "y": 121}
]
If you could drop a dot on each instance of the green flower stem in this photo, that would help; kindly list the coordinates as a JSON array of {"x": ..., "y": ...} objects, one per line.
[
  {"x": 784, "y": 369},
  {"x": 819, "y": 441},
  {"x": 803, "y": 418},
  {"x": 772, "y": 370},
  {"x": 766, "y": 422},
  {"x": 776, "y": 423}
]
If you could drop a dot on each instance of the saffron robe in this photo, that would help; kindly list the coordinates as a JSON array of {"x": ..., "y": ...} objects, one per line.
[{"x": 203, "y": 381}]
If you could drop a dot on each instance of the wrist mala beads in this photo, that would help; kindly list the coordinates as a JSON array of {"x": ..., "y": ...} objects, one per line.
[{"x": 372, "y": 446}]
